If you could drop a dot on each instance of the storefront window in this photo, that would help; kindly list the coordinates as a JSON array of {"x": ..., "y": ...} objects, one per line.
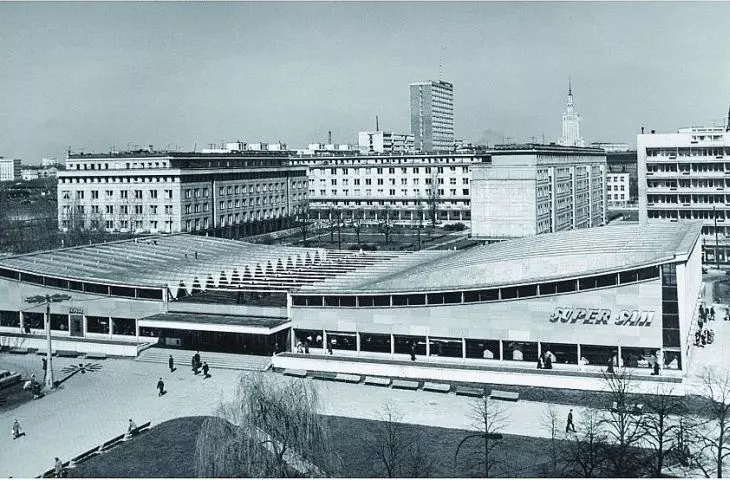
[
  {"x": 445, "y": 347},
  {"x": 144, "y": 331},
  {"x": 311, "y": 337},
  {"x": 639, "y": 357},
  {"x": 673, "y": 360},
  {"x": 59, "y": 322},
  {"x": 486, "y": 349},
  {"x": 374, "y": 343},
  {"x": 100, "y": 325},
  {"x": 9, "y": 319},
  {"x": 404, "y": 343},
  {"x": 521, "y": 351},
  {"x": 564, "y": 353},
  {"x": 33, "y": 320},
  {"x": 123, "y": 326},
  {"x": 342, "y": 341},
  {"x": 597, "y": 354}
]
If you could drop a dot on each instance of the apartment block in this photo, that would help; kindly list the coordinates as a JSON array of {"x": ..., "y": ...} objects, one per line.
[
  {"x": 432, "y": 116},
  {"x": 10, "y": 169},
  {"x": 532, "y": 189},
  {"x": 617, "y": 190}
]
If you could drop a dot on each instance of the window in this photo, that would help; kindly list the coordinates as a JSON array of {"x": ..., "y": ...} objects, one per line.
[
  {"x": 95, "y": 194},
  {"x": 138, "y": 194},
  {"x": 110, "y": 209},
  {"x": 153, "y": 194}
]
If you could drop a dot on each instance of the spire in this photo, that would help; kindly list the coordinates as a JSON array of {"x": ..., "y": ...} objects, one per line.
[
  {"x": 570, "y": 87},
  {"x": 727, "y": 127}
]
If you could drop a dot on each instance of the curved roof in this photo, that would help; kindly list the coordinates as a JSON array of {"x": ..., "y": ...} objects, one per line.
[{"x": 562, "y": 255}]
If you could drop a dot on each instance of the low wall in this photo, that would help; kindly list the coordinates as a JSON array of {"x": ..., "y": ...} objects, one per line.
[
  {"x": 451, "y": 374},
  {"x": 112, "y": 349}
]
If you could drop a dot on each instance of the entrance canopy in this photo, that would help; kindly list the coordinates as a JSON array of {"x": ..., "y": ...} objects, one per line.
[{"x": 216, "y": 323}]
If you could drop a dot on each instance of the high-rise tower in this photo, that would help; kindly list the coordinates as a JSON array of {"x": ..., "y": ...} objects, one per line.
[
  {"x": 432, "y": 116},
  {"x": 571, "y": 123}
]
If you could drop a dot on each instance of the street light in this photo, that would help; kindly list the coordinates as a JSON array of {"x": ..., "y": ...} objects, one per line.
[{"x": 48, "y": 299}]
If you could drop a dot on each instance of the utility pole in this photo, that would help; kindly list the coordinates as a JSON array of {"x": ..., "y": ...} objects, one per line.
[{"x": 47, "y": 299}]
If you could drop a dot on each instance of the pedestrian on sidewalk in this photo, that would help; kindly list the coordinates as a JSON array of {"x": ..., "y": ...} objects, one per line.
[
  {"x": 195, "y": 365},
  {"x": 197, "y": 361},
  {"x": 329, "y": 346},
  {"x": 541, "y": 361},
  {"x": 161, "y": 387},
  {"x": 171, "y": 364},
  {"x": 413, "y": 352},
  {"x": 17, "y": 432},
  {"x": 206, "y": 369},
  {"x": 712, "y": 313},
  {"x": 569, "y": 427},
  {"x": 44, "y": 363},
  {"x": 610, "y": 365},
  {"x": 58, "y": 468}
]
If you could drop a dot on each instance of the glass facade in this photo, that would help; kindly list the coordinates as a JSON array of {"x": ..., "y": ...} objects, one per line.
[{"x": 670, "y": 307}]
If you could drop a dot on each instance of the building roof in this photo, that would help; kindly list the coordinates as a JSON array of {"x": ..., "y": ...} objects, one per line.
[
  {"x": 240, "y": 320},
  {"x": 562, "y": 255},
  {"x": 195, "y": 263}
]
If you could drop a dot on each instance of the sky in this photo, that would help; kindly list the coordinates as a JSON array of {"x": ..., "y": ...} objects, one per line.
[{"x": 97, "y": 76}]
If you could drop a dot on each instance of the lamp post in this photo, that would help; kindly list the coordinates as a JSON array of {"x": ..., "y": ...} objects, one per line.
[{"x": 48, "y": 299}]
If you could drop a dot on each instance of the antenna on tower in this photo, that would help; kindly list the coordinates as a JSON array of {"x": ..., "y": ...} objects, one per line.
[
  {"x": 329, "y": 137},
  {"x": 377, "y": 124},
  {"x": 441, "y": 63},
  {"x": 570, "y": 87}
]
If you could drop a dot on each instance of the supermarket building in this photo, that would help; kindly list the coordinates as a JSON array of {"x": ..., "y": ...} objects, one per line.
[{"x": 630, "y": 291}]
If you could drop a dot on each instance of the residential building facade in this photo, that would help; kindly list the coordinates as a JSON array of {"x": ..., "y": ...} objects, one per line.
[
  {"x": 10, "y": 169},
  {"x": 231, "y": 194},
  {"x": 432, "y": 116},
  {"x": 686, "y": 176},
  {"x": 532, "y": 189},
  {"x": 384, "y": 142},
  {"x": 617, "y": 190}
]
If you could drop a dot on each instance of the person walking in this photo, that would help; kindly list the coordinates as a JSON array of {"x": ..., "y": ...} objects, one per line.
[
  {"x": 161, "y": 387},
  {"x": 712, "y": 313},
  {"x": 197, "y": 362},
  {"x": 58, "y": 468},
  {"x": 569, "y": 427},
  {"x": 171, "y": 364},
  {"x": 195, "y": 365},
  {"x": 549, "y": 360},
  {"x": 17, "y": 432},
  {"x": 131, "y": 426},
  {"x": 44, "y": 362},
  {"x": 329, "y": 346},
  {"x": 413, "y": 352},
  {"x": 206, "y": 369},
  {"x": 610, "y": 365},
  {"x": 541, "y": 361}
]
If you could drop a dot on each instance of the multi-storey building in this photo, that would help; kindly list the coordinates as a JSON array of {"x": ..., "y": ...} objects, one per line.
[
  {"x": 232, "y": 193},
  {"x": 432, "y": 116},
  {"x": 384, "y": 142},
  {"x": 617, "y": 189},
  {"x": 686, "y": 176},
  {"x": 408, "y": 188},
  {"x": 532, "y": 189},
  {"x": 10, "y": 169},
  {"x": 32, "y": 173},
  {"x": 571, "y": 124}
]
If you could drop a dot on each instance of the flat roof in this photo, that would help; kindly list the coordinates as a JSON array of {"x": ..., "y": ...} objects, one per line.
[
  {"x": 548, "y": 257},
  {"x": 244, "y": 321}
]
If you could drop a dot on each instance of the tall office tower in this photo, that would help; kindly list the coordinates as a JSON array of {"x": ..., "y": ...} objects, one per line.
[
  {"x": 432, "y": 116},
  {"x": 571, "y": 124}
]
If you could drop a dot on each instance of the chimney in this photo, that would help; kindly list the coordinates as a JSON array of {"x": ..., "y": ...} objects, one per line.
[{"x": 642, "y": 130}]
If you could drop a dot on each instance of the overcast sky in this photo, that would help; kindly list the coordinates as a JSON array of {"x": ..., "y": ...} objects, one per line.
[{"x": 97, "y": 75}]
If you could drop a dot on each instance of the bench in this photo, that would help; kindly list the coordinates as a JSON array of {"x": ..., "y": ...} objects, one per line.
[
  {"x": 19, "y": 350},
  {"x": 348, "y": 378},
  {"x": 86, "y": 455},
  {"x": 290, "y": 372},
  {"x": 9, "y": 380},
  {"x": 503, "y": 395},
  {"x": 378, "y": 381},
  {"x": 327, "y": 376},
  {"x": 96, "y": 356},
  {"x": 68, "y": 353},
  {"x": 470, "y": 391},
  {"x": 437, "y": 387},
  {"x": 405, "y": 384},
  {"x": 112, "y": 443}
]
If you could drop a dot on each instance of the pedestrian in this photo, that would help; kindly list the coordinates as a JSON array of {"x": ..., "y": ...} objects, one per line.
[
  {"x": 413, "y": 352},
  {"x": 656, "y": 368},
  {"x": 44, "y": 363},
  {"x": 541, "y": 362},
  {"x": 329, "y": 346},
  {"x": 610, "y": 365},
  {"x": 131, "y": 426},
  {"x": 712, "y": 313},
  {"x": 549, "y": 358},
  {"x": 206, "y": 369},
  {"x": 569, "y": 427},
  {"x": 195, "y": 365},
  {"x": 197, "y": 362},
  {"x": 58, "y": 468},
  {"x": 306, "y": 347},
  {"x": 17, "y": 432},
  {"x": 300, "y": 347},
  {"x": 171, "y": 364},
  {"x": 161, "y": 387}
]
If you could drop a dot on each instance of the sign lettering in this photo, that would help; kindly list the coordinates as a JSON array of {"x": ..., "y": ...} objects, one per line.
[{"x": 595, "y": 316}]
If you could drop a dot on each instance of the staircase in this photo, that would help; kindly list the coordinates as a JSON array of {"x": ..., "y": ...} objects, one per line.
[{"x": 229, "y": 361}]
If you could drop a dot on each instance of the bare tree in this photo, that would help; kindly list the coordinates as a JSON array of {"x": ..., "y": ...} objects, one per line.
[
  {"x": 488, "y": 417},
  {"x": 357, "y": 224},
  {"x": 715, "y": 434},
  {"x": 271, "y": 429},
  {"x": 386, "y": 226},
  {"x": 584, "y": 453},
  {"x": 550, "y": 420},
  {"x": 623, "y": 425},
  {"x": 389, "y": 441},
  {"x": 433, "y": 196},
  {"x": 658, "y": 427}
]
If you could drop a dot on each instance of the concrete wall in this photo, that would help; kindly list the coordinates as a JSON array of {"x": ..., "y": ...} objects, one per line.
[
  {"x": 119, "y": 350},
  {"x": 207, "y": 308},
  {"x": 519, "y": 320}
]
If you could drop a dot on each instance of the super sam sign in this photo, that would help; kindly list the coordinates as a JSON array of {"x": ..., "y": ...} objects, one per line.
[{"x": 594, "y": 316}]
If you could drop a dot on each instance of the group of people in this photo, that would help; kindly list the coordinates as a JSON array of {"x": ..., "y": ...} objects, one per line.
[
  {"x": 197, "y": 367},
  {"x": 546, "y": 360},
  {"x": 704, "y": 335}
]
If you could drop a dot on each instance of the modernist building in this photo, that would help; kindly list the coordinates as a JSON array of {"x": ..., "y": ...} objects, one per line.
[
  {"x": 408, "y": 188},
  {"x": 617, "y": 190},
  {"x": 33, "y": 173},
  {"x": 686, "y": 176},
  {"x": 384, "y": 142},
  {"x": 231, "y": 192},
  {"x": 432, "y": 116},
  {"x": 625, "y": 162},
  {"x": 533, "y": 189},
  {"x": 571, "y": 124},
  {"x": 10, "y": 169},
  {"x": 586, "y": 294}
]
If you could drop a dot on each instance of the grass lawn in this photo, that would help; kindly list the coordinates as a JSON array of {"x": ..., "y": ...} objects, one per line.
[
  {"x": 167, "y": 450},
  {"x": 14, "y": 396}
]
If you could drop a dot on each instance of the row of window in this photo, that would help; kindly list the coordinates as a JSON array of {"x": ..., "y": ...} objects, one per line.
[
  {"x": 110, "y": 194},
  {"x": 390, "y": 170},
  {"x": 114, "y": 291},
  {"x": 424, "y": 204},
  {"x": 391, "y": 192},
  {"x": 473, "y": 296}
]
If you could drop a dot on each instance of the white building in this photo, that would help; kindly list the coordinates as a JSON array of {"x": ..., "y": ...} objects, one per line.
[
  {"x": 50, "y": 162},
  {"x": 432, "y": 116},
  {"x": 33, "y": 173},
  {"x": 609, "y": 147},
  {"x": 384, "y": 142},
  {"x": 10, "y": 169},
  {"x": 686, "y": 176},
  {"x": 617, "y": 190},
  {"x": 532, "y": 189},
  {"x": 571, "y": 124}
]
